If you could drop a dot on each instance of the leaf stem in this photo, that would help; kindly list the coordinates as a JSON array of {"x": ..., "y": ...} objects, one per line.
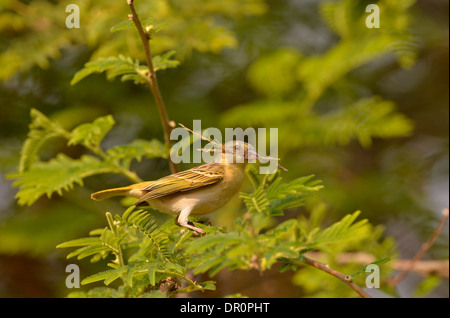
[
  {"x": 152, "y": 81},
  {"x": 113, "y": 228}
]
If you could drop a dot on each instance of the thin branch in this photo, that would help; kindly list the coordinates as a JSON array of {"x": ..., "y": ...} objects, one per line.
[
  {"x": 219, "y": 147},
  {"x": 152, "y": 81},
  {"x": 423, "y": 249},
  {"x": 215, "y": 143},
  {"x": 422, "y": 267},
  {"x": 345, "y": 278}
]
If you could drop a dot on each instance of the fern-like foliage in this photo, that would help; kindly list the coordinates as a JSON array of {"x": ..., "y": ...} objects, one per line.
[
  {"x": 151, "y": 259},
  {"x": 190, "y": 27},
  {"x": 295, "y": 84},
  {"x": 144, "y": 223},
  {"x": 90, "y": 135},
  {"x": 256, "y": 243},
  {"x": 37, "y": 178},
  {"x": 147, "y": 258},
  {"x": 148, "y": 255},
  {"x": 125, "y": 67},
  {"x": 42, "y": 129},
  {"x": 363, "y": 120},
  {"x": 273, "y": 199},
  {"x": 342, "y": 230},
  {"x": 55, "y": 176}
]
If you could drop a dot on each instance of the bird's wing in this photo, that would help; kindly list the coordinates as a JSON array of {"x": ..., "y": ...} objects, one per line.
[{"x": 183, "y": 181}]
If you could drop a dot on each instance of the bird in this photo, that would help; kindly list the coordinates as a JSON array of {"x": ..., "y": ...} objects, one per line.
[{"x": 196, "y": 191}]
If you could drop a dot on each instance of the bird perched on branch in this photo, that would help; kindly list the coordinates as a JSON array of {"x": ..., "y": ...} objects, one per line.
[{"x": 196, "y": 191}]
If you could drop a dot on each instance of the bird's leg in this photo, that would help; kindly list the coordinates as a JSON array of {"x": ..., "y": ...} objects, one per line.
[{"x": 183, "y": 220}]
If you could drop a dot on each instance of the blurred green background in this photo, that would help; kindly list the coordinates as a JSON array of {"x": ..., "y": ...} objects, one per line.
[{"x": 365, "y": 110}]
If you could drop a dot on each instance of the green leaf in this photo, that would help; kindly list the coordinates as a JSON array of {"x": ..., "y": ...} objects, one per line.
[
  {"x": 138, "y": 149},
  {"x": 124, "y": 25},
  {"x": 157, "y": 27},
  {"x": 208, "y": 263},
  {"x": 253, "y": 174},
  {"x": 42, "y": 129},
  {"x": 287, "y": 266},
  {"x": 147, "y": 22},
  {"x": 277, "y": 197},
  {"x": 56, "y": 175},
  {"x": 144, "y": 223},
  {"x": 174, "y": 267},
  {"x": 126, "y": 67},
  {"x": 205, "y": 242},
  {"x": 113, "y": 66},
  {"x": 85, "y": 72},
  {"x": 151, "y": 274},
  {"x": 85, "y": 241},
  {"x": 256, "y": 201},
  {"x": 339, "y": 231},
  {"x": 150, "y": 28},
  {"x": 162, "y": 62},
  {"x": 364, "y": 120},
  {"x": 127, "y": 212},
  {"x": 363, "y": 269},
  {"x": 217, "y": 268},
  {"x": 108, "y": 276},
  {"x": 283, "y": 250},
  {"x": 208, "y": 285},
  {"x": 130, "y": 272},
  {"x": 91, "y": 134},
  {"x": 90, "y": 250}
]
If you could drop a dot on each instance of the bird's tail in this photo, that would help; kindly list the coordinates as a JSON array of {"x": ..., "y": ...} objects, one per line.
[{"x": 133, "y": 190}]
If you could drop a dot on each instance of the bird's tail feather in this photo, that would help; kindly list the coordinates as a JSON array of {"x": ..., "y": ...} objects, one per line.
[
  {"x": 109, "y": 193},
  {"x": 123, "y": 191}
]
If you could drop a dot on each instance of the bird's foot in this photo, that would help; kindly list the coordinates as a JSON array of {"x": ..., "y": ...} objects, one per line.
[{"x": 190, "y": 225}]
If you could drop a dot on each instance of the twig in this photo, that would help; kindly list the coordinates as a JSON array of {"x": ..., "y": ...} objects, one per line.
[
  {"x": 219, "y": 147},
  {"x": 346, "y": 279},
  {"x": 215, "y": 143},
  {"x": 422, "y": 267},
  {"x": 423, "y": 249},
  {"x": 152, "y": 80}
]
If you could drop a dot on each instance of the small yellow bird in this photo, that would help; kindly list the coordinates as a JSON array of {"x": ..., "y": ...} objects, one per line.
[{"x": 196, "y": 191}]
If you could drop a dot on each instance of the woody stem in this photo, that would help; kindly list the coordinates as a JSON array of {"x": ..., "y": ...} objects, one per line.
[{"x": 152, "y": 81}]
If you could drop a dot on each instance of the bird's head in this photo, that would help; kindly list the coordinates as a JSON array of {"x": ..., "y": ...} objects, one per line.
[
  {"x": 237, "y": 151},
  {"x": 240, "y": 152}
]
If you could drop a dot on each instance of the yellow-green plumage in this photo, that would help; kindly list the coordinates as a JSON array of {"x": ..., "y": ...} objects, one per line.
[{"x": 197, "y": 191}]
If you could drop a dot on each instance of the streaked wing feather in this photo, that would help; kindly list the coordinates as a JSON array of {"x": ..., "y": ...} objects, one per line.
[{"x": 183, "y": 181}]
